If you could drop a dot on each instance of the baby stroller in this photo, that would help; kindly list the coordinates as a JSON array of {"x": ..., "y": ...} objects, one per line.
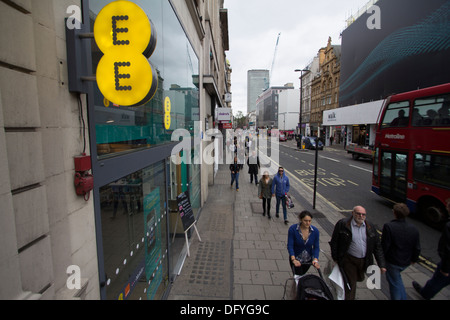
[{"x": 311, "y": 287}]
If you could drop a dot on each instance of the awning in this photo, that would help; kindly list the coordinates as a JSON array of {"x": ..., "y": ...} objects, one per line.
[{"x": 366, "y": 113}]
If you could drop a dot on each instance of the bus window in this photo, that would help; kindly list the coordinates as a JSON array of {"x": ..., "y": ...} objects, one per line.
[
  {"x": 400, "y": 184},
  {"x": 432, "y": 111},
  {"x": 432, "y": 169},
  {"x": 375, "y": 163},
  {"x": 385, "y": 172},
  {"x": 397, "y": 115}
]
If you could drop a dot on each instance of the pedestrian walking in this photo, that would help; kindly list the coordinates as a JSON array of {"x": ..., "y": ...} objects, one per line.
[
  {"x": 235, "y": 146},
  {"x": 441, "y": 277},
  {"x": 253, "y": 167},
  {"x": 303, "y": 244},
  {"x": 280, "y": 188},
  {"x": 235, "y": 168},
  {"x": 401, "y": 246},
  {"x": 353, "y": 244},
  {"x": 264, "y": 193}
]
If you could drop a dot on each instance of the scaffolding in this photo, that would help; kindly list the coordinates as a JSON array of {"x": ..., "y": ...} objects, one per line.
[{"x": 359, "y": 13}]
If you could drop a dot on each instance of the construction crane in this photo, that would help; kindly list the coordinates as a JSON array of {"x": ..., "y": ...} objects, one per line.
[{"x": 274, "y": 58}]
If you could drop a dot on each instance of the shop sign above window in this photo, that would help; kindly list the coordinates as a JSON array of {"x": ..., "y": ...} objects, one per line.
[{"x": 127, "y": 38}]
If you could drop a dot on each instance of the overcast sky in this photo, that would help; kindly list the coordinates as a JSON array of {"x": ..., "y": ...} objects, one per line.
[{"x": 304, "y": 25}]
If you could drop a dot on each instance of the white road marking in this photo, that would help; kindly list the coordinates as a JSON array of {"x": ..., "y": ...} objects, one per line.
[
  {"x": 360, "y": 168},
  {"x": 331, "y": 159}
]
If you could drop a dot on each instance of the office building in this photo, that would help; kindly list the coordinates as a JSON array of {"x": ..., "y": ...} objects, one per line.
[{"x": 257, "y": 82}]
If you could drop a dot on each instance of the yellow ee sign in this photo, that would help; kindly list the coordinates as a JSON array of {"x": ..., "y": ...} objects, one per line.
[
  {"x": 167, "y": 111},
  {"x": 127, "y": 38}
]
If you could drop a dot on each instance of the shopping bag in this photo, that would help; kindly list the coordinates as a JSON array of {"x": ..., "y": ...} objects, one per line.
[
  {"x": 339, "y": 281},
  {"x": 289, "y": 202}
]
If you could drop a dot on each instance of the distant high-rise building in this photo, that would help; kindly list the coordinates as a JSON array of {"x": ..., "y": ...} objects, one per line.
[{"x": 257, "y": 82}]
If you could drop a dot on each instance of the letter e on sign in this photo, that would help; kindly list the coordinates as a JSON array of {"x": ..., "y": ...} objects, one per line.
[{"x": 127, "y": 38}]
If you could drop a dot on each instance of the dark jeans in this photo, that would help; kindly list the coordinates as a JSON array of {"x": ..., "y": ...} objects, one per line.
[
  {"x": 266, "y": 206},
  {"x": 394, "y": 278},
  {"x": 435, "y": 284},
  {"x": 255, "y": 175},
  {"x": 235, "y": 177},
  {"x": 283, "y": 203}
]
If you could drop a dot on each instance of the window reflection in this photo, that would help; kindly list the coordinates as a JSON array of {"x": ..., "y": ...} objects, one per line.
[
  {"x": 397, "y": 115},
  {"x": 134, "y": 229},
  {"x": 134, "y": 218},
  {"x": 183, "y": 178},
  {"x": 432, "y": 169},
  {"x": 432, "y": 112}
]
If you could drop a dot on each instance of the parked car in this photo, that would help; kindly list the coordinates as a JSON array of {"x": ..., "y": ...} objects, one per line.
[
  {"x": 310, "y": 143},
  {"x": 283, "y": 137}
]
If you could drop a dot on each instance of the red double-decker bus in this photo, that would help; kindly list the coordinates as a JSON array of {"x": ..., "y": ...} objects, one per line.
[{"x": 412, "y": 152}]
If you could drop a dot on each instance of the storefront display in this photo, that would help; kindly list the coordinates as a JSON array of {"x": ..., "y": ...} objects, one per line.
[
  {"x": 134, "y": 229},
  {"x": 135, "y": 181}
]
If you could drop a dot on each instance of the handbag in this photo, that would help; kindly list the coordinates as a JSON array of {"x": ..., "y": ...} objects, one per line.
[{"x": 289, "y": 202}]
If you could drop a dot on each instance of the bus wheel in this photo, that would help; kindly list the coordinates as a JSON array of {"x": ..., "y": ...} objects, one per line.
[{"x": 434, "y": 214}]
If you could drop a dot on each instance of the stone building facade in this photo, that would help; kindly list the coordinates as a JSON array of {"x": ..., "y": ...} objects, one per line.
[
  {"x": 325, "y": 85},
  {"x": 55, "y": 244}
]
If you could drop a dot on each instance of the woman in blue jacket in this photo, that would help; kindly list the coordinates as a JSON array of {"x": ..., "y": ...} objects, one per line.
[
  {"x": 280, "y": 188},
  {"x": 303, "y": 244}
]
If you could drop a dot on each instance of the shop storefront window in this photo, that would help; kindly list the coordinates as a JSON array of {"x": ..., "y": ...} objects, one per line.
[
  {"x": 136, "y": 225},
  {"x": 183, "y": 178},
  {"x": 360, "y": 136},
  {"x": 194, "y": 187},
  {"x": 122, "y": 129},
  {"x": 134, "y": 229}
]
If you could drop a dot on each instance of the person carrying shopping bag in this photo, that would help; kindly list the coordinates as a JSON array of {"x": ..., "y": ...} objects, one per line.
[
  {"x": 354, "y": 244},
  {"x": 280, "y": 188}
]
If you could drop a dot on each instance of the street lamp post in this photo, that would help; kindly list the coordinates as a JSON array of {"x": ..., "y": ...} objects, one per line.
[
  {"x": 317, "y": 139},
  {"x": 315, "y": 173},
  {"x": 301, "y": 97},
  {"x": 284, "y": 120}
]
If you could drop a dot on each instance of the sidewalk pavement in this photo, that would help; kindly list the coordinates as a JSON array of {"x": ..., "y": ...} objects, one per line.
[{"x": 243, "y": 255}]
